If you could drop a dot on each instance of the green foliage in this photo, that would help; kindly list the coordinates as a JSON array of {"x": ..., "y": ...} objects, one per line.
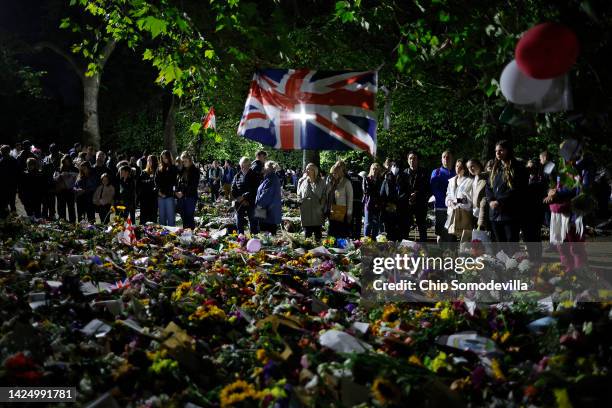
[{"x": 440, "y": 59}]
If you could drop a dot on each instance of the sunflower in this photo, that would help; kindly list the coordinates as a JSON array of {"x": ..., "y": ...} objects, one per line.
[
  {"x": 391, "y": 314},
  {"x": 237, "y": 392},
  {"x": 385, "y": 392}
]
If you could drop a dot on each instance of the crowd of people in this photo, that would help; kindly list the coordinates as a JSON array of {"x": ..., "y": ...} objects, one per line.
[{"x": 503, "y": 199}]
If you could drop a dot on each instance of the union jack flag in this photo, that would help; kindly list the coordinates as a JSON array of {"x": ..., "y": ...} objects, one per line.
[{"x": 293, "y": 109}]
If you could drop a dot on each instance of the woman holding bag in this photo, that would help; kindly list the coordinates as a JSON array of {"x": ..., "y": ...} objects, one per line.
[
  {"x": 340, "y": 201},
  {"x": 459, "y": 203},
  {"x": 268, "y": 206},
  {"x": 311, "y": 192}
]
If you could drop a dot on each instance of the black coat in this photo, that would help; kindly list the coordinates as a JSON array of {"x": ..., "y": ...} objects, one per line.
[
  {"x": 246, "y": 185},
  {"x": 371, "y": 193},
  {"x": 511, "y": 198},
  {"x": 414, "y": 181},
  {"x": 32, "y": 186},
  {"x": 9, "y": 170},
  {"x": 188, "y": 181},
  {"x": 165, "y": 180},
  {"x": 127, "y": 193}
]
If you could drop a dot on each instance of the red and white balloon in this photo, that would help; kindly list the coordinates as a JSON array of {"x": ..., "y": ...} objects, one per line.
[{"x": 543, "y": 56}]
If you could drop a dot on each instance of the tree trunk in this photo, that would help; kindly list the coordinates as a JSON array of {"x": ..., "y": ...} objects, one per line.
[
  {"x": 169, "y": 129},
  {"x": 310, "y": 156},
  {"x": 91, "y": 88},
  {"x": 91, "y": 124}
]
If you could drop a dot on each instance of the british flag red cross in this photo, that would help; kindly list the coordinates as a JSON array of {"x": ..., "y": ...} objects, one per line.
[{"x": 298, "y": 109}]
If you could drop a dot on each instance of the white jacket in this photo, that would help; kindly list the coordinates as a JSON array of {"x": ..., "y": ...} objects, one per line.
[{"x": 463, "y": 191}]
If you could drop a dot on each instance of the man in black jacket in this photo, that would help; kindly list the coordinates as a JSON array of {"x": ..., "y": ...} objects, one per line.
[
  {"x": 414, "y": 192},
  {"x": 244, "y": 191}
]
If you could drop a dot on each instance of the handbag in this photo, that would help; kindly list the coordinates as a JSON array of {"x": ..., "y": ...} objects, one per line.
[
  {"x": 338, "y": 212},
  {"x": 460, "y": 220},
  {"x": 260, "y": 212}
]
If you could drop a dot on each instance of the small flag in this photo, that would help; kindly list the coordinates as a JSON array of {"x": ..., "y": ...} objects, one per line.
[
  {"x": 120, "y": 284},
  {"x": 210, "y": 120},
  {"x": 127, "y": 236}
]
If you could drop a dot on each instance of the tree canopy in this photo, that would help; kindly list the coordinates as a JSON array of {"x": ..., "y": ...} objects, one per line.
[{"x": 440, "y": 60}]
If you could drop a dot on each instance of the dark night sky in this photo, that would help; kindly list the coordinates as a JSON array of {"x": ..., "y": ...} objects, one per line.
[{"x": 127, "y": 82}]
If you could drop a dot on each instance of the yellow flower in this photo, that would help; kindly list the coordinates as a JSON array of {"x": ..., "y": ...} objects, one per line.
[
  {"x": 439, "y": 362},
  {"x": 414, "y": 359},
  {"x": 446, "y": 313},
  {"x": 391, "y": 313},
  {"x": 505, "y": 336},
  {"x": 120, "y": 207},
  {"x": 178, "y": 292},
  {"x": 261, "y": 355},
  {"x": 238, "y": 392},
  {"x": 498, "y": 374},
  {"x": 562, "y": 398},
  {"x": 208, "y": 312},
  {"x": 384, "y": 391}
]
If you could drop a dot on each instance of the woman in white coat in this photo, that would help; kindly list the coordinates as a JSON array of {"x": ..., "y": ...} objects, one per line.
[{"x": 459, "y": 203}]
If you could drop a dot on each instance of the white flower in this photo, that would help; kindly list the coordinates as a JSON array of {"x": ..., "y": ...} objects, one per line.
[
  {"x": 525, "y": 265},
  {"x": 511, "y": 263}
]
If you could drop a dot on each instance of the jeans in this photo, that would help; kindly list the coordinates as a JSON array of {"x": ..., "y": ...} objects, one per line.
[
  {"x": 241, "y": 215},
  {"x": 187, "y": 206},
  {"x": 372, "y": 223},
  {"x": 65, "y": 199},
  {"x": 167, "y": 214}
]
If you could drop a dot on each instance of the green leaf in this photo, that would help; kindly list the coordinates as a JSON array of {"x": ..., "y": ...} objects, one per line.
[
  {"x": 444, "y": 16},
  {"x": 65, "y": 23},
  {"x": 148, "y": 55},
  {"x": 209, "y": 54},
  {"x": 195, "y": 128}
]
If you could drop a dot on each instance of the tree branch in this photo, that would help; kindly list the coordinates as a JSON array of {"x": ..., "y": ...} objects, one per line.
[
  {"x": 80, "y": 71},
  {"x": 107, "y": 51}
]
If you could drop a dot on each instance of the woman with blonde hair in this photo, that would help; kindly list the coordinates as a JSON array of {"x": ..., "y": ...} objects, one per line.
[
  {"x": 311, "y": 193},
  {"x": 187, "y": 190},
  {"x": 372, "y": 202},
  {"x": 339, "y": 201}
]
